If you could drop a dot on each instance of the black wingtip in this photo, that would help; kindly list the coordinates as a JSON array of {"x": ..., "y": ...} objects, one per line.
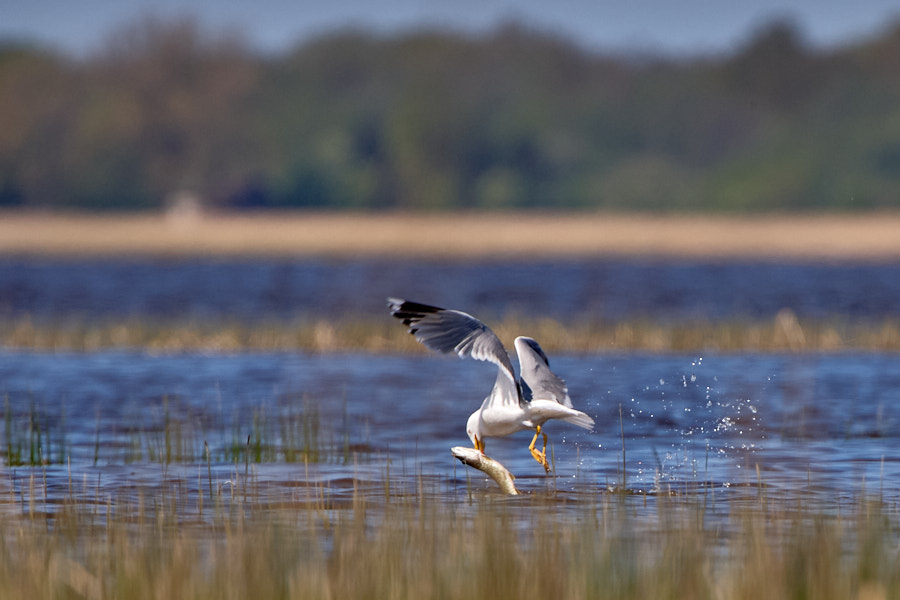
[{"x": 410, "y": 312}]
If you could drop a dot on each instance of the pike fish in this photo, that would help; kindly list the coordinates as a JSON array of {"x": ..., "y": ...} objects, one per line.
[{"x": 479, "y": 460}]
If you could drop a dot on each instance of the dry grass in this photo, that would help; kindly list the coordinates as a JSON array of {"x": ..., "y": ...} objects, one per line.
[
  {"x": 423, "y": 546},
  {"x": 461, "y": 235},
  {"x": 784, "y": 333}
]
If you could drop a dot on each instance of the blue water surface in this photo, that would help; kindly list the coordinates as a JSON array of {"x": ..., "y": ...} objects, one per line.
[
  {"x": 113, "y": 423},
  {"x": 828, "y": 423},
  {"x": 567, "y": 290}
]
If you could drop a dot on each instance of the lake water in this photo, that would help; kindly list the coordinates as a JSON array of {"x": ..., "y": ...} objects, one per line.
[
  {"x": 824, "y": 425},
  {"x": 121, "y": 424},
  {"x": 599, "y": 289}
]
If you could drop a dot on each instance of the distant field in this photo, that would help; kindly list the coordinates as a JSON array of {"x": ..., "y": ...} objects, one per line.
[{"x": 461, "y": 235}]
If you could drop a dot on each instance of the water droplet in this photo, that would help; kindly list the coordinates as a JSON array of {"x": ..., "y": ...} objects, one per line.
[{"x": 724, "y": 424}]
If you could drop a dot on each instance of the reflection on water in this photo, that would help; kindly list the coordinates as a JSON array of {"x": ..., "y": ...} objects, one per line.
[{"x": 298, "y": 428}]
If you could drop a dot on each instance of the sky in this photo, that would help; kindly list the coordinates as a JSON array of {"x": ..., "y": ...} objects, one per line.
[{"x": 651, "y": 26}]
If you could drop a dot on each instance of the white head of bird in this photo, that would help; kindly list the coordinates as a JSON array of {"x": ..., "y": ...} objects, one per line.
[{"x": 473, "y": 428}]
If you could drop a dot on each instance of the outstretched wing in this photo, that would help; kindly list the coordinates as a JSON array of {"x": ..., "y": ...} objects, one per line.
[
  {"x": 445, "y": 330},
  {"x": 538, "y": 381}
]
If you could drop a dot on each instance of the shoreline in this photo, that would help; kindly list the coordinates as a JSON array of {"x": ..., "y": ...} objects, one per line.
[{"x": 461, "y": 236}]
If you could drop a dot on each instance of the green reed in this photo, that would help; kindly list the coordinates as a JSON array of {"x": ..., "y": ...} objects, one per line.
[
  {"x": 33, "y": 438},
  {"x": 291, "y": 432}
]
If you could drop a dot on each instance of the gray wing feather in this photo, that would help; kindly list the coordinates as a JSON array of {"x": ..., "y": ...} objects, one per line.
[
  {"x": 444, "y": 330},
  {"x": 538, "y": 381}
]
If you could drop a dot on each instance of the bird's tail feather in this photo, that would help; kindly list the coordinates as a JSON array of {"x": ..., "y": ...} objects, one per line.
[{"x": 581, "y": 419}]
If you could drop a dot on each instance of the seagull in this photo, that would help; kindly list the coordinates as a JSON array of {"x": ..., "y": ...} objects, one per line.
[{"x": 514, "y": 404}]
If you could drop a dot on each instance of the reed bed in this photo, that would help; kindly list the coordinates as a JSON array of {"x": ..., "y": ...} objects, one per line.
[
  {"x": 783, "y": 333},
  {"x": 439, "y": 545},
  {"x": 289, "y": 432},
  {"x": 191, "y": 520}
]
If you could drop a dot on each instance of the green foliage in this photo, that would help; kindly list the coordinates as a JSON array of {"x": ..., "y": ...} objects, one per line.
[{"x": 433, "y": 120}]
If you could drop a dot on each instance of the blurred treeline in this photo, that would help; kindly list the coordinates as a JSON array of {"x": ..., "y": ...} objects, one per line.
[{"x": 437, "y": 120}]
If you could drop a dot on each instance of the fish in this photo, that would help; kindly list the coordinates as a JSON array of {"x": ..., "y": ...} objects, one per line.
[{"x": 479, "y": 460}]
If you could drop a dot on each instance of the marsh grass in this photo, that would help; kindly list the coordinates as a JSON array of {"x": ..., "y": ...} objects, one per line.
[
  {"x": 290, "y": 432},
  {"x": 33, "y": 438},
  {"x": 432, "y": 543},
  {"x": 195, "y": 530},
  {"x": 783, "y": 333}
]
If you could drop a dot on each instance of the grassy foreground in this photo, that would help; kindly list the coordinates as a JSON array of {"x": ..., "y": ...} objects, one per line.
[
  {"x": 455, "y": 235},
  {"x": 425, "y": 546}
]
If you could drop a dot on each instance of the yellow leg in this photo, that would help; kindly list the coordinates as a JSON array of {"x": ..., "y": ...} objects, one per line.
[
  {"x": 479, "y": 444},
  {"x": 539, "y": 455}
]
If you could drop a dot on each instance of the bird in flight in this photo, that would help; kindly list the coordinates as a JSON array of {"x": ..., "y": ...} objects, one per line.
[{"x": 515, "y": 403}]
